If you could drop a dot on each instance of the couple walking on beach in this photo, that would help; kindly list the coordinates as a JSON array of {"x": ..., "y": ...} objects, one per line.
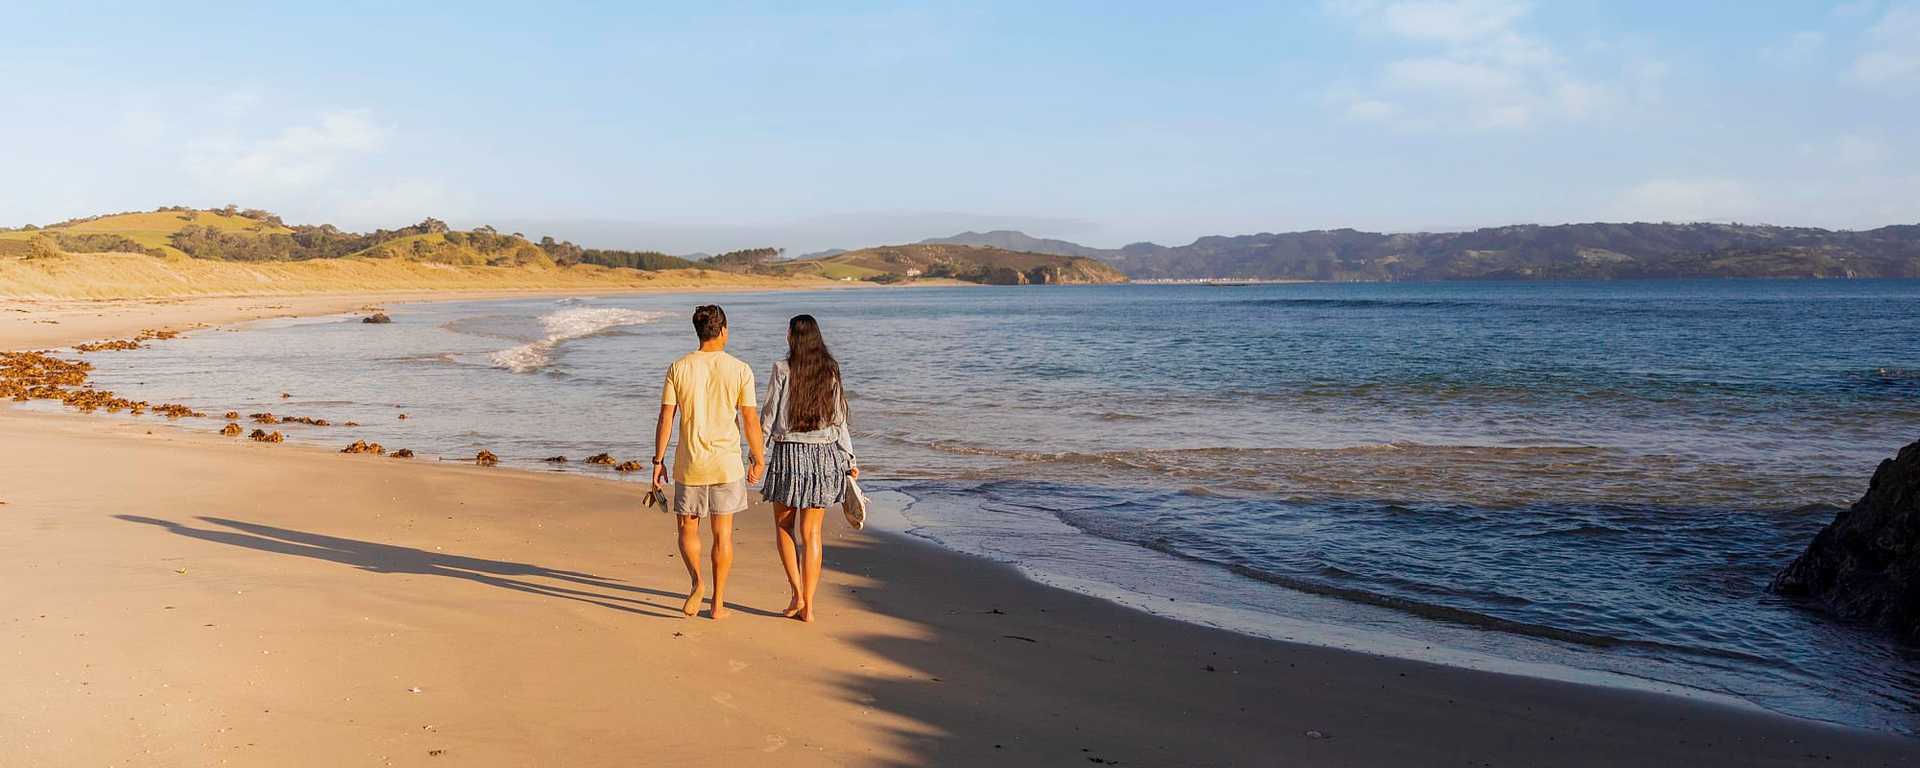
[{"x": 798, "y": 439}]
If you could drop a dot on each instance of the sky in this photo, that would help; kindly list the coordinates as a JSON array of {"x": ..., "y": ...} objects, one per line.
[{"x": 710, "y": 126}]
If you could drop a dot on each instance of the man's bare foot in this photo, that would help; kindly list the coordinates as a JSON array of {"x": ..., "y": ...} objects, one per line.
[
  {"x": 794, "y": 608},
  {"x": 692, "y": 608},
  {"x": 806, "y": 614},
  {"x": 719, "y": 612}
]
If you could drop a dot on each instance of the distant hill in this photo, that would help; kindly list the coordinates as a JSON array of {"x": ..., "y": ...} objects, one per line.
[
  {"x": 1019, "y": 241},
  {"x": 971, "y": 263},
  {"x": 1522, "y": 252}
]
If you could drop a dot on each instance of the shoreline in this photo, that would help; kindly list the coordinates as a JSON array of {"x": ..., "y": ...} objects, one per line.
[{"x": 1488, "y": 714}]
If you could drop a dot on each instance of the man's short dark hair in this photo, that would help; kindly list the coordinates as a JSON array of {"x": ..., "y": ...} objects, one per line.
[{"x": 708, "y": 321}]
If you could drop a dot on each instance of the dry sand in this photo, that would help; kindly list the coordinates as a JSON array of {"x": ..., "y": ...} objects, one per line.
[
  {"x": 107, "y": 276},
  {"x": 177, "y": 598}
]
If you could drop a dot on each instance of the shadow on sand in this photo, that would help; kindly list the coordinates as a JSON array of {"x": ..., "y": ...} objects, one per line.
[
  {"x": 388, "y": 558},
  {"x": 963, "y": 658}
]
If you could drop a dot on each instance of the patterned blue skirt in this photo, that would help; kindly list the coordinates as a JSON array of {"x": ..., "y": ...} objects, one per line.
[{"x": 805, "y": 475}]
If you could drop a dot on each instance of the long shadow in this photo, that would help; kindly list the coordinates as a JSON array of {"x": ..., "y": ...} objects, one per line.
[{"x": 389, "y": 558}]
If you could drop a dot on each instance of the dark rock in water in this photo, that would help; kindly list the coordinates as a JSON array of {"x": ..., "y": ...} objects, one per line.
[
  {"x": 555, "y": 459},
  {"x": 1865, "y": 565},
  {"x": 377, "y": 317}
]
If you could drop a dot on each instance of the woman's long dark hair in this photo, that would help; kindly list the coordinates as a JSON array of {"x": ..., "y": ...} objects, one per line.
[{"x": 815, "y": 386}]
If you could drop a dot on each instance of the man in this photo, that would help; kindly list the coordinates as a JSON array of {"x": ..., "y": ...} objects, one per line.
[{"x": 707, "y": 389}]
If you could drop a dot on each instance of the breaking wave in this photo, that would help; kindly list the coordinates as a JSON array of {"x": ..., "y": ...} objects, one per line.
[{"x": 566, "y": 325}]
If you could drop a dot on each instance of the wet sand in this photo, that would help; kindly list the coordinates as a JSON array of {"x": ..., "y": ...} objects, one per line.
[{"x": 180, "y": 598}]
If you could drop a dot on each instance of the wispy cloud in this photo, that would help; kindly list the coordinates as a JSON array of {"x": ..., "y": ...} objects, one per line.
[
  {"x": 1892, "y": 56},
  {"x": 1798, "y": 49},
  {"x": 1686, "y": 200},
  {"x": 1847, "y": 186},
  {"x": 298, "y": 156},
  {"x": 1472, "y": 67}
]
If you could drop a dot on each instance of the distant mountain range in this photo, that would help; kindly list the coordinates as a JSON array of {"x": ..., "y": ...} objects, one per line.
[
  {"x": 971, "y": 263},
  {"x": 1523, "y": 252}
]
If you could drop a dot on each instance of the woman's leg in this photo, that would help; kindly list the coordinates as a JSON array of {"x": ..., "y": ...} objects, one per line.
[
  {"x": 784, "y": 519},
  {"x": 810, "y": 520}
]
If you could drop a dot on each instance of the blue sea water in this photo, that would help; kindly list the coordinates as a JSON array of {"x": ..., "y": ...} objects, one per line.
[{"x": 1598, "y": 477}]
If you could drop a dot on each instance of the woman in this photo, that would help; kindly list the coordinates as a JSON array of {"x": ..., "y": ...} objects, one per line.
[{"x": 809, "y": 453}]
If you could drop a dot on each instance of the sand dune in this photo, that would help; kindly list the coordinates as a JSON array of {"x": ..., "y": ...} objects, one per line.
[{"x": 132, "y": 276}]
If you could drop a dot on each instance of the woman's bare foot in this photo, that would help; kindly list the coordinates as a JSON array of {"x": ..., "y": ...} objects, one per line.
[
  {"x": 794, "y": 608},
  {"x": 692, "y": 608},
  {"x": 806, "y": 614},
  {"x": 719, "y": 612}
]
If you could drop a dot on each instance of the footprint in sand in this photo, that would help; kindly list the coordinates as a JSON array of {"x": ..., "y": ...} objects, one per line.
[
  {"x": 775, "y": 743},
  {"x": 735, "y": 666},
  {"x": 724, "y": 699}
]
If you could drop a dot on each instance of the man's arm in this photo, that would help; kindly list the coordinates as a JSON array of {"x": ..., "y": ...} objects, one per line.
[
  {"x": 661, "y": 434},
  {"x": 756, "y": 443}
]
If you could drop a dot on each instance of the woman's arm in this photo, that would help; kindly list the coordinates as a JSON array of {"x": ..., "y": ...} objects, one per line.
[
  {"x": 842, "y": 434},
  {"x": 770, "y": 409}
]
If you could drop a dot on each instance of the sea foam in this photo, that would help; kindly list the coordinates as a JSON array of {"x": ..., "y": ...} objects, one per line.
[{"x": 566, "y": 325}]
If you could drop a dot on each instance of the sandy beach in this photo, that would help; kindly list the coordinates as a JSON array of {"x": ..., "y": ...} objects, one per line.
[{"x": 173, "y": 597}]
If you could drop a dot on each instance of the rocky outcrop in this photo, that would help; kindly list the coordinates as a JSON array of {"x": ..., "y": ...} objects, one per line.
[
  {"x": 404, "y": 453},
  {"x": 264, "y": 436},
  {"x": 605, "y": 459},
  {"x": 1865, "y": 565},
  {"x": 630, "y": 466},
  {"x": 107, "y": 346},
  {"x": 231, "y": 430},
  {"x": 377, "y": 318},
  {"x": 486, "y": 458},
  {"x": 362, "y": 446}
]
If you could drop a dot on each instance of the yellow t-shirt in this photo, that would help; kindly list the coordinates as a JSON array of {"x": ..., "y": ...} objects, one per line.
[{"x": 710, "y": 388}]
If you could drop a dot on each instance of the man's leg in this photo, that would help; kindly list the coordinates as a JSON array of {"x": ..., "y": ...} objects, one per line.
[
  {"x": 784, "y": 519},
  {"x": 690, "y": 555},
  {"x": 722, "y": 561}
]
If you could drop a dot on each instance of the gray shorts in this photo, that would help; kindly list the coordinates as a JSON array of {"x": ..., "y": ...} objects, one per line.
[{"x": 704, "y": 500}]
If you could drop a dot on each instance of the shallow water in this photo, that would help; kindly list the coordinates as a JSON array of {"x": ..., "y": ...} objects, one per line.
[{"x": 1598, "y": 476}]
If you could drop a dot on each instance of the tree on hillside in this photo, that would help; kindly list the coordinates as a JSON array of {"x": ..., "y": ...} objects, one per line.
[
  {"x": 561, "y": 251},
  {"x": 43, "y": 247},
  {"x": 642, "y": 260},
  {"x": 748, "y": 257}
]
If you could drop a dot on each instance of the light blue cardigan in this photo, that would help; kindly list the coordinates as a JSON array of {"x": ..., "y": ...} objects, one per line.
[{"x": 774, "y": 424}]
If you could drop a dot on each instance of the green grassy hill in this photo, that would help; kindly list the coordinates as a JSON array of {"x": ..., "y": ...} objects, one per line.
[
  {"x": 255, "y": 236},
  {"x": 150, "y": 231}
]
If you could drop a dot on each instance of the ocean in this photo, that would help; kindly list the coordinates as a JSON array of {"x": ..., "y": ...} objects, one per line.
[{"x": 1592, "y": 481}]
